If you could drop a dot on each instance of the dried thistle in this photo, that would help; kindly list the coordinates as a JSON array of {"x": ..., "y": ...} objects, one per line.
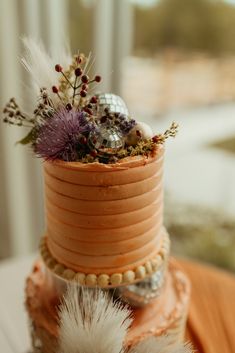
[{"x": 63, "y": 136}]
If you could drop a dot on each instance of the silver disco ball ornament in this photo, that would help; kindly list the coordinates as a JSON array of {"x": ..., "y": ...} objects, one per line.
[
  {"x": 114, "y": 103},
  {"x": 107, "y": 139},
  {"x": 142, "y": 293}
]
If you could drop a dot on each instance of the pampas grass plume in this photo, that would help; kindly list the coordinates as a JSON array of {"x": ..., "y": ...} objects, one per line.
[
  {"x": 90, "y": 322},
  {"x": 41, "y": 65}
]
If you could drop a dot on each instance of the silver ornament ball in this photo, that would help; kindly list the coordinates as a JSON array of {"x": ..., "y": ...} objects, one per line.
[
  {"x": 142, "y": 293},
  {"x": 114, "y": 103},
  {"x": 107, "y": 139}
]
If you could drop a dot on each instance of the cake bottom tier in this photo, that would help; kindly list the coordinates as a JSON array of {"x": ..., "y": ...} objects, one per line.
[{"x": 165, "y": 315}]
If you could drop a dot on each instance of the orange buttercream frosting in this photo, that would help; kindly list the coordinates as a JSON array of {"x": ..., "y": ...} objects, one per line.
[
  {"x": 104, "y": 216},
  {"x": 163, "y": 316}
]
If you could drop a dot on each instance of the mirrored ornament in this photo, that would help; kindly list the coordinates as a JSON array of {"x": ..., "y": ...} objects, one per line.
[
  {"x": 114, "y": 103},
  {"x": 142, "y": 293},
  {"x": 107, "y": 139}
]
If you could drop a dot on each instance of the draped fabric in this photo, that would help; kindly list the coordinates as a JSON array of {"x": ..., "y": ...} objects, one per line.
[{"x": 211, "y": 321}]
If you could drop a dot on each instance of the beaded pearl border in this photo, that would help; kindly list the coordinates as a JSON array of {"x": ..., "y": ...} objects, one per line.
[{"x": 104, "y": 280}]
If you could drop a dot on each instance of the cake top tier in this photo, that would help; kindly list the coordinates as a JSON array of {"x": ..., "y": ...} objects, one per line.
[{"x": 73, "y": 125}]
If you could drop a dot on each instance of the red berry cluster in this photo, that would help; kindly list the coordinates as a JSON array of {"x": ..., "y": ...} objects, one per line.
[{"x": 80, "y": 89}]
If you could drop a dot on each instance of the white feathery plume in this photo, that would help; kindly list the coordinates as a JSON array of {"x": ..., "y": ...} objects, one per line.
[
  {"x": 62, "y": 54},
  {"x": 90, "y": 322},
  {"x": 41, "y": 65},
  {"x": 161, "y": 344}
]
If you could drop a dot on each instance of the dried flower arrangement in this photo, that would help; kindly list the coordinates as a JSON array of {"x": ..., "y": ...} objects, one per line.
[{"x": 71, "y": 124}]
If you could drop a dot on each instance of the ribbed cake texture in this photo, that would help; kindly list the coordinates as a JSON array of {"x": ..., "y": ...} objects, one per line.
[{"x": 107, "y": 219}]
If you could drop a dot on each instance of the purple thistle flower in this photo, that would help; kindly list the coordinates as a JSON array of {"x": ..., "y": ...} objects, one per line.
[{"x": 58, "y": 138}]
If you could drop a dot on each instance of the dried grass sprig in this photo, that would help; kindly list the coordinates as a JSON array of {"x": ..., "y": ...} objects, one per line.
[
  {"x": 171, "y": 132},
  {"x": 149, "y": 146},
  {"x": 13, "y": 115}
]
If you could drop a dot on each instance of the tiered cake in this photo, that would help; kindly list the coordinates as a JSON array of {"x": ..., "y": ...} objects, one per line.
[
  {"x": 105, "y": 228},
  {"x": 103, "y": 178}
]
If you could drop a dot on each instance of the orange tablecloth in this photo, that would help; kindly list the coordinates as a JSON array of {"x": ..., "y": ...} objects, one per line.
[{"x": 211, "y": 321}]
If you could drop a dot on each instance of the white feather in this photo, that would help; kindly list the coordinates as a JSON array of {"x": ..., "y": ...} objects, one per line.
[
  {"x": 162, "y": 344},
  {"x": 41, "y": 65},
  {"x": 91, "y": 323},
  {"x": 62, "y": 54}
]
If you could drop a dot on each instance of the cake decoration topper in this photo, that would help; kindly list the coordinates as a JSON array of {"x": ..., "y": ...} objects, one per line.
[
  {"x": 114, "y": 103},
  {"x": 70, "y": 122},
  {"x": 91, "y": 322}
]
